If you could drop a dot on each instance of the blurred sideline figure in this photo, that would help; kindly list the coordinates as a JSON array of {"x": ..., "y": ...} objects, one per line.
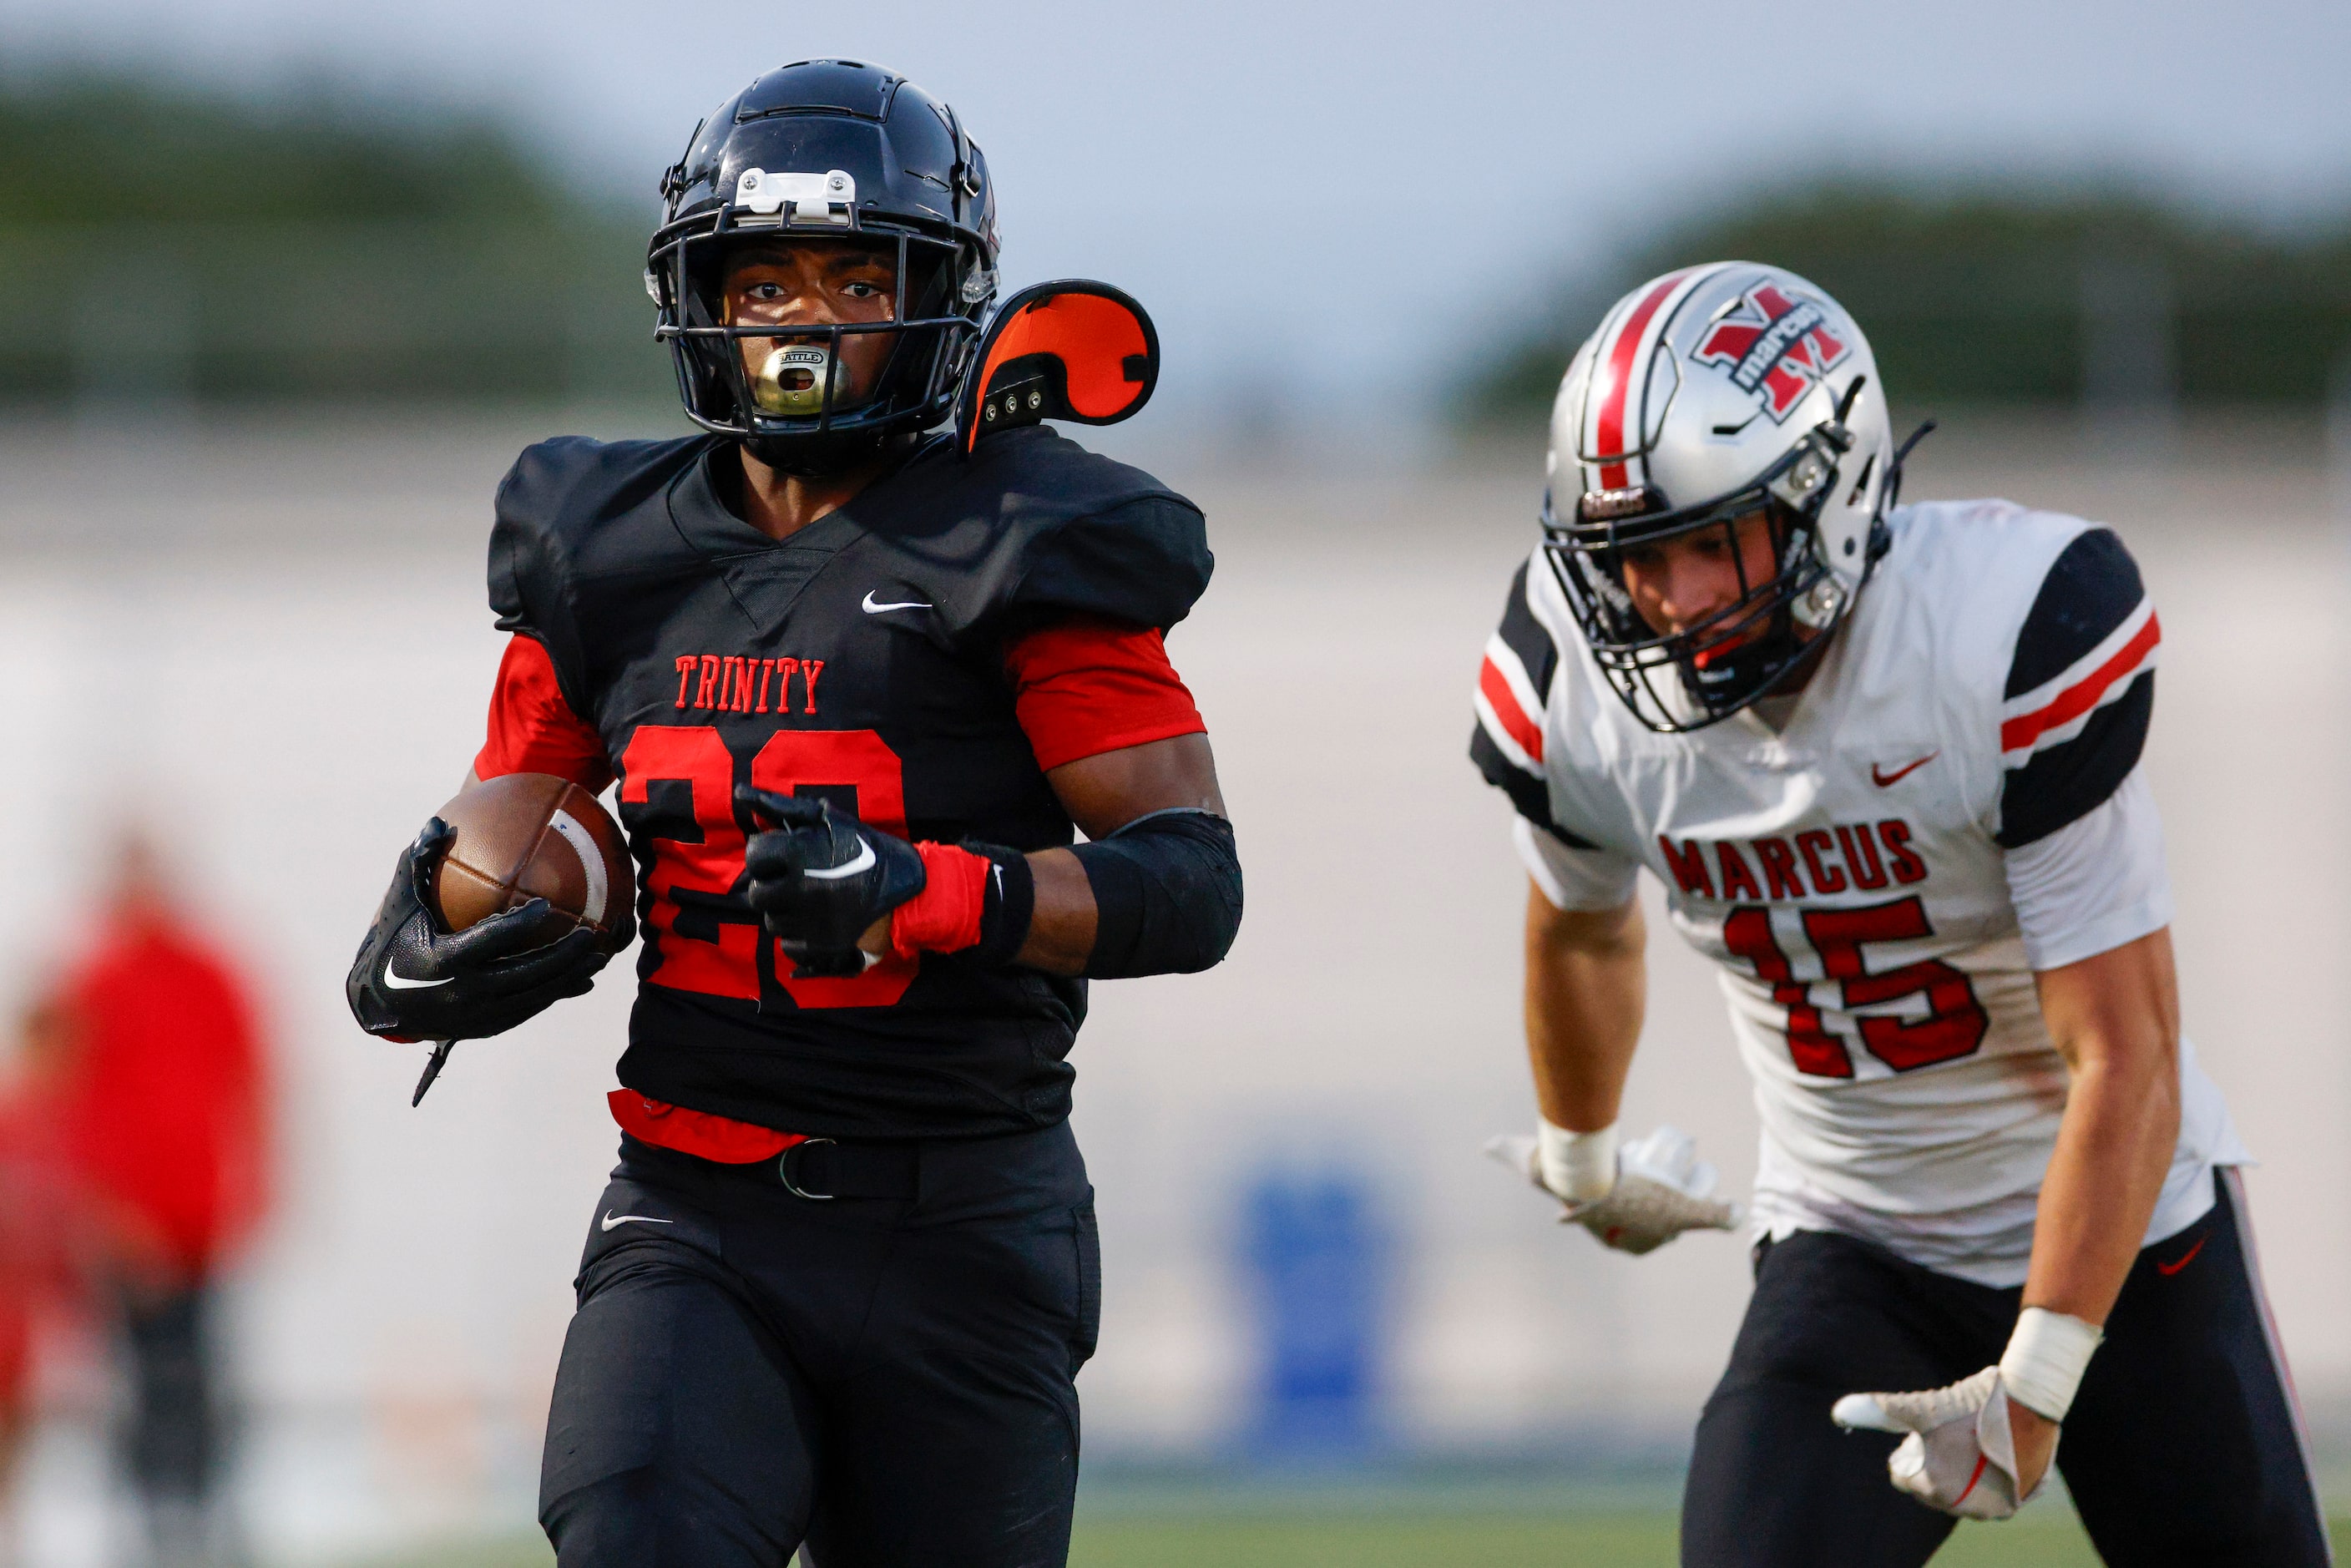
[
  {"x": 1885, "y": 760},
  {"x": 38, "y": 1226},
  {"x": 154, "y": 1097}
]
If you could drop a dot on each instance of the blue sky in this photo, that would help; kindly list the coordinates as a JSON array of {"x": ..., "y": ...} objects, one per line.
[{"x": 1341, "y": 199}]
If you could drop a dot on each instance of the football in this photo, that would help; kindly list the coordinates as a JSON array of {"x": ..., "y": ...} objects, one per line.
[{"x": 532, "y": 835}]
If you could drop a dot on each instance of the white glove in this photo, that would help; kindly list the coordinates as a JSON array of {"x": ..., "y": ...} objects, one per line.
[
  {"x": 1662, "y": 1189},
  {"x": 1959, "y": 1457}
]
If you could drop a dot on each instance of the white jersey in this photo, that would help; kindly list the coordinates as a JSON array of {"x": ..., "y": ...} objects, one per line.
[{"x": 1952, "y": 804}]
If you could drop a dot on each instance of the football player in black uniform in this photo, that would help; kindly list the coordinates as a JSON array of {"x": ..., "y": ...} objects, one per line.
[{"x": 857, "y": 681}]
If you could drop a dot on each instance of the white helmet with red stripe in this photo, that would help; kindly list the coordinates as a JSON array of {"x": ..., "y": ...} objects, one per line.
[{"x": 1707, "y": 395}]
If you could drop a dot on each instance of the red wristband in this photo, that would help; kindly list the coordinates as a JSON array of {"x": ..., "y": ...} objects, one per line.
[{"x": 945, "y": 916}]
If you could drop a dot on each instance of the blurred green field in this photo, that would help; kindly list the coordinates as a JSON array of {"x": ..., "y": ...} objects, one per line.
[
  {"x": 1644, "y": 1540},
  {"x": 2046, "y": 1537}
]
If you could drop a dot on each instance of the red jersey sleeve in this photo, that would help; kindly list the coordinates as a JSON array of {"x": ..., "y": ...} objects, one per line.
[
  {"x": 533, "y": 728},
  {"x": 1084, "y": 686}
]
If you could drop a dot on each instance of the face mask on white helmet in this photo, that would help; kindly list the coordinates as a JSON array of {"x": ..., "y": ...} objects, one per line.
[{"x": 1709, "y": 395}]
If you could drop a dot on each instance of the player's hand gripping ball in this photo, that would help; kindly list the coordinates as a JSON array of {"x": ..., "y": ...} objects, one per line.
[
  {"x": 510, "y": 900},
  {"x": 1662, "y": 1189},
  {"x": 820, "y": 878}
]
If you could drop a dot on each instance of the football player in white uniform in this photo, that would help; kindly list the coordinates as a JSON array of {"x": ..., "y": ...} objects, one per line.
[{"x": 1885, "y": 760}]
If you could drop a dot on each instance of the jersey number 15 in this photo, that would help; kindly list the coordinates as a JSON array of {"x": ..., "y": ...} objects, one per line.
[{"x": 1954, "y": 1024}]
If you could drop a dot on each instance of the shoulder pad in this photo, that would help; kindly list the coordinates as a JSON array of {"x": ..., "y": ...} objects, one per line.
[
  {"x": 2080, "y": 690},
  {"x": 1073, "y": 350},
  {"x": 571, "y": 512},
  {"x": 1033, "y": 526},
  {"x": 2044, "y": 643},
  {"x": 1964, "y": 574}
]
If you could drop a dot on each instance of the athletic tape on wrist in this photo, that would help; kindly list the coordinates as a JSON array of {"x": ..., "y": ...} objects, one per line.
[
  {"x": 1578, "y": 1167},
  {"x": 1009, "y": 903},
  {"x": 948, "y": 915},
  {"x": 2045, "y": 1358},
  {"x": 976, "y": 898}
]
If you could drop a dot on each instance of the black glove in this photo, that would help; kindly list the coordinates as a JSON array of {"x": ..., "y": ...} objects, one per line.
[
  {"x": 820, "y": 878},
  {"x": 413, "y": 980}
]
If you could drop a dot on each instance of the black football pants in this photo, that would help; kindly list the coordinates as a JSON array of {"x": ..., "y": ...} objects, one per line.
[
  {"x": 2183, "y": 1447},
  {"x": 887, "y": 1382}
]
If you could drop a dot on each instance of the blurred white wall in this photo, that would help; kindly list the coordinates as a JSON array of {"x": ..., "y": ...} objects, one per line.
[{"x": 275, "y": 645}]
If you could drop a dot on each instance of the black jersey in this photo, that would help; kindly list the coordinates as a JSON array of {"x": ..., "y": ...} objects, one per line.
[{"x": 860, "y": 660}]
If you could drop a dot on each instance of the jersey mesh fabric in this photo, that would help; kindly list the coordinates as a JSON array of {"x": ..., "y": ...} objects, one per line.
[
  {"x": 2091, "y": 886},
  {"x": 1581, "y": 880},
  {"x": 1080, "y": 688},
  {"x": 532, "y": 729},
  {"x": 720, "y": 1139},
  {"x": 1086, "y": 685},
  {"x": 2095, "y": 883},
  {"x": 862, "y": 660},
  {"x": 1951, "y": 803}
]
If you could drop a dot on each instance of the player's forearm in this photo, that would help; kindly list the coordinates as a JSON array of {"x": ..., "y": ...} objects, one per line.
[
  {"x": 2116, "y": 1019},
  {"x": 1157, "y": 889},
  {"x": 1062, "y": 929},
  {"x": 1587, "y": 989}
]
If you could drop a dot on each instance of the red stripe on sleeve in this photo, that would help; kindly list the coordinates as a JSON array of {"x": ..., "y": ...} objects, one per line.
[
  {"x": 1082, "y": 687},
  {"x": 533, "y": 730},
  {"x": 1498, "y": 694},
  {"x": 2083, "y": 696}
]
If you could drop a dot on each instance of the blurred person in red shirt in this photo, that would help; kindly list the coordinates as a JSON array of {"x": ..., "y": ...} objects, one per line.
[
  {"x": 160, "y": 1108},
  {"x": 38, "y": 1228}
]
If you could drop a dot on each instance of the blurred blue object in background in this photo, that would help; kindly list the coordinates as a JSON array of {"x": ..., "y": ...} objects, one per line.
[{"x": 1318, "y": 1257}]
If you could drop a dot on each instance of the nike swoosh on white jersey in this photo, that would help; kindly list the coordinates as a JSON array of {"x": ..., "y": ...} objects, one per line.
[
  {"x": 611, "y": 1220},
  {"x": 873, "y": 608},
  {"x": 399, "y": 982},
  {"x": 864, "y": 859}
]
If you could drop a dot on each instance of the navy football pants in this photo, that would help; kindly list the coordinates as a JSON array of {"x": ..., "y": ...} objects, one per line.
[
  {"x": 2183, "y": 1447},
  {"x": 885, "y": 1381}
]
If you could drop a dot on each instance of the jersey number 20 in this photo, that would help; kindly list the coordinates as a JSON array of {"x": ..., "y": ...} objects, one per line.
[
  {"x": 680, "y": 780},
  {"x": 1955, "y": 1021}
]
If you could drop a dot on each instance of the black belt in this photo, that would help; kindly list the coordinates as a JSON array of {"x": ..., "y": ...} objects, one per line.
[{"x": 822, "y": 1168}]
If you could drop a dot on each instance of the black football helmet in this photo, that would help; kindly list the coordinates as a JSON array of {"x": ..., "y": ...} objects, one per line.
[{"x": 825, "y": 148}]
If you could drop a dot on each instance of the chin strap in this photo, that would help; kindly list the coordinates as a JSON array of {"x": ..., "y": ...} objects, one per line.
[
  {"x": 816, "y": 456},
  {"x": 1881, "y": 537},
  {"x": 1902, "y": 456}
]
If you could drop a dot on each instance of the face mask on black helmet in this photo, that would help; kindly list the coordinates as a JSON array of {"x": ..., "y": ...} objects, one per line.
[
  {"x": 825, "y": 150},
  {"x": 1715, "y": 394}
]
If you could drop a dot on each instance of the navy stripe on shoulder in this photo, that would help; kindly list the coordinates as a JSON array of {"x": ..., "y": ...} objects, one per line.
[
  {"x": 1527, "y": 790},
  {"x": 1525, "y": 636},
  {"x": 2068, "y": 781},
  {"x": 2092, "y": 588}
]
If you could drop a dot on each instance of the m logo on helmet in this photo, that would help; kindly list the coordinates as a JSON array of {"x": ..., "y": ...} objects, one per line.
[{"x": 1776, "y": 344}]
